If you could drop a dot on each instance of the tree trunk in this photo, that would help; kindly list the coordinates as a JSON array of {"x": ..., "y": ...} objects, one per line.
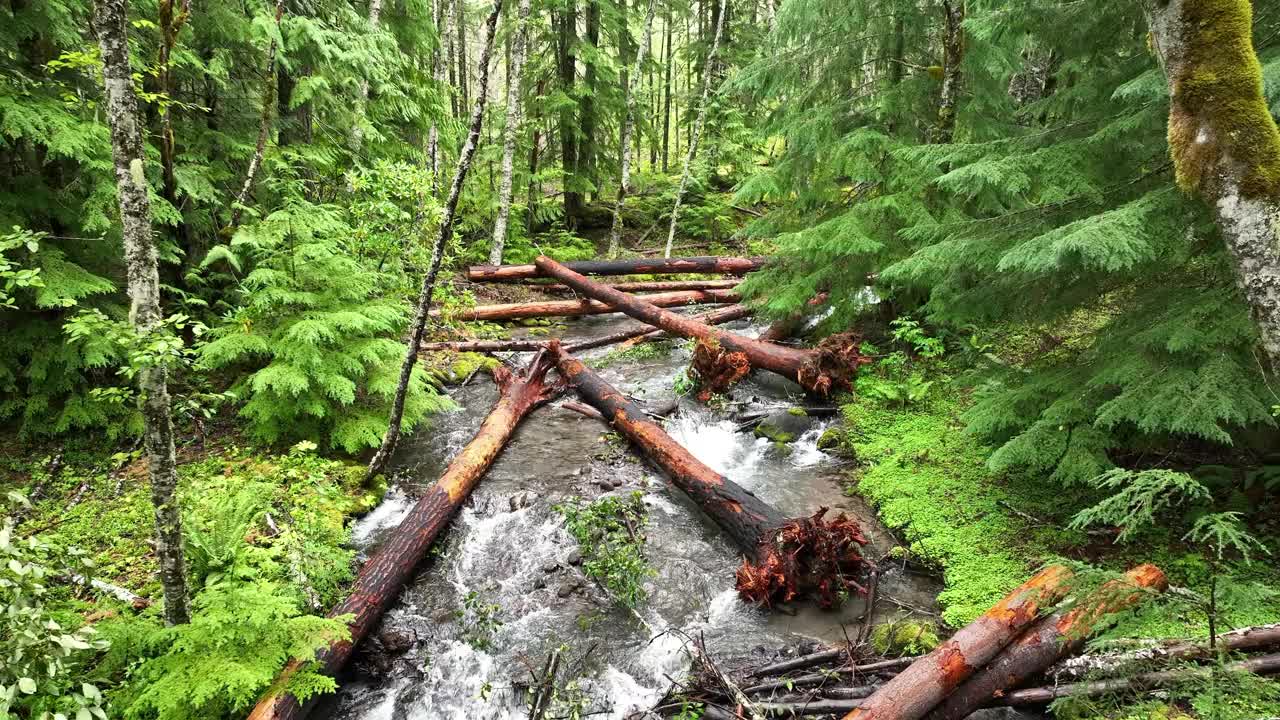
[
  {"x": 628, "y": 127},
  {"x": 171, "y": 24},
  {"x": 587, "y": 111},
  {"x": 142, "y": 268},
  {"x": 637, "y": 334},
  {"x": 451, "y": 57},
  {"x": 579, "y": 308},
  {"x": 535, "y": 185},
  {"x": 708, "y": 264},
  {"x": 918, "y": 689},
  {"x": 952, "y": 56},
  {"x": 830, "y": 367},
  {"x": 696, "y": 131},
  {"x": 445, "y": 233},
  {"x": 781, "y": 557},
  {"x": 1252, "y": 638},
  {"x": 464, "y": 69},
  {"x": 264, "y": 126},
  {"x": 568, "y": 67},
  {"x": 1224, "y": 141},
  {"x": 438, "y": 75},
  {"x": 1054, "y": 637},
  {"x": 509, "y": 134},
  {"x": 357, "y": 129},
  {"x": 381, "y": 578},
  {"x": 666, "y": 94},
  {"x": 655, "y": 286}
]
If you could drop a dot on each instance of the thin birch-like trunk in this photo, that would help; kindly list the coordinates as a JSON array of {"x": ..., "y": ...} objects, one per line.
[
  {"x": 264, "y": 126},
  {"x": 142, "y": 268},
  {"x": 1224, "y": 141},
  {"x": 445, "y": 233},
  {"x": 628, "y": 128},
  {"x": 696, "y": 133},
  {"x": 437, "y": 74},
  {"x": 357, "y": 129},
  {"x": 509, "y": 134}
]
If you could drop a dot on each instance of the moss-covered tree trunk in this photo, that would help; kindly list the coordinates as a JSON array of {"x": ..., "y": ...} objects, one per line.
[
  {"x": 952, "y": 57},
  {"x": 520, "y": 43},
  {"x": 1224, "y": 141},
  {"x": 628, "y": 129},
  {"x": 142, "y": 268},
  {"x": 264, "y": 125}
]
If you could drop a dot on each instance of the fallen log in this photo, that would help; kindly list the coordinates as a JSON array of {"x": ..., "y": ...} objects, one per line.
[
  {"x": 1250, "y": 638},
  {"x": 782, "y": 557},
  {"x": 918, "y": 689},
  {"x": 824, "y": 676},
  {"x": 726, "y": 356},
  {"x": 709, "y": 264},
  {"x": 1054, "y": 637},
  {"x": 825, "y": 656},
  {"x": 578, "y": 308},
  {"x": 653, "y": 286},
  {"x": 380, "y": 579},
  {"x": 638, "y": 334}
]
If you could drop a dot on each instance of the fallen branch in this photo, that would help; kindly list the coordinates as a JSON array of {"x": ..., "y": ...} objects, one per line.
[
  {"x": 829, "y": 367},
  {"x": 137, "y": 602},
  {"x": 825, "y": 656},
  {"x": 782, "y": 557},
  {"x": 578, "y": 308},
  {"x": 381, "y": 578},
  {"x": 1251, "y": 638},
  {"x": 919, "y": 688},
  {"x": 1054, "y": 637},
  {"x": 653, "y": 286},
  {"x": 710, "y": 265}
]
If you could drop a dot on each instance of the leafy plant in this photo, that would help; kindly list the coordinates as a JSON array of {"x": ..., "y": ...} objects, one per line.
[
  {"x": 610, "y": 533},
  {"x": 479, "y": 620}
]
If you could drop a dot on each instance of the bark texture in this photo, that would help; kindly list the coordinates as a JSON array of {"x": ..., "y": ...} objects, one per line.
[
  {"x": 696, "y": 132},
  {"x": 509, "y": 133},
  {"x": 141, "y": 266},
  {"x": 578, "y": 308},
  {"x": 918, "y": 689},
  {"x": 828, "y": 368},
  {"x": 1224, "y": 141},
  {"x": 952, "y": 57},
  {"x": 1054, "y": 637},
  {"x": 567, "y": 65},
  {"x": 269, "y": 90},
  {"x": 782, "y": 557},
  {"x": 709, "y": 264},
  {"x": 381, "y": 578},
  {"x": 628, "y": 129},
  {"x": 419, "y": 324}
]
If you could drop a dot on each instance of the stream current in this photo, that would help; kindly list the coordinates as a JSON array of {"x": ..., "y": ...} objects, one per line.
[{"x": 508, "y": 548}]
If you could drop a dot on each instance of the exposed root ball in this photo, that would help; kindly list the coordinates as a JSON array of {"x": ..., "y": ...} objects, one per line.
[
  {"x": 717, "y": 369},
  {"x": 810, "y": 555},
  {"x": 834, "y": 364}
]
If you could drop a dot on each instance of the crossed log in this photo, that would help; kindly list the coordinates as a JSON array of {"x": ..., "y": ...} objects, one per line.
[{"x": 579, "y": 308}]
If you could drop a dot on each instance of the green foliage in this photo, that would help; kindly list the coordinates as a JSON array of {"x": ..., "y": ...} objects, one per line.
[
  {"x": 43, "y": 666},
  {"x": 905, "y": 637},
  {"x": 610, "y": 532},
  {"x": 896, "y": 377},
  {"x": 479, "y": 621}
]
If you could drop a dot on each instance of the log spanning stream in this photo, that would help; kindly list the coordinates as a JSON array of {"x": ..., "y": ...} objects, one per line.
[{"x": 509, "y": 548}]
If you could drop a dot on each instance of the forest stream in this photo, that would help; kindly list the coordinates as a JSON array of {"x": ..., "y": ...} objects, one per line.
[{"x": 508, "y": 546}]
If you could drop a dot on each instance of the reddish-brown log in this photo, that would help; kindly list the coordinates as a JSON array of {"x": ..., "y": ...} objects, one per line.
[
  {"x": 828, "y": 368},
  {"x": 1054, "y": 637},
  {"x": 710, "y": 264},
  {"x": 918, "y": 689},
  {"x": 578, "y": 308},
  {"x": 654, "y": 286},
  {"x": 632, "y": 335},
  {"x": 380, "y": 579},
  {"x": 783, "y": 557}
]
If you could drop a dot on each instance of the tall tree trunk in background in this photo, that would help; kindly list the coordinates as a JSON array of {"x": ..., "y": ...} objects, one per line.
[
  {"x": 464, "y": 69},
  {"x": 708, "y": 71},
  {"x": 451, "y": 57},
  {"x": 142, "y": 267},
  {"x": 587, "y": 113},
  {"x": 535, "y": 186},
  {"x": 357, "y": 129},
  {"x": 1224, "y": 141},
  {"x": 952, "y": 57},
  {"x": 568, "y": 67},
  {"x": 666, "y": 94},
  {"x": 651, "y": 104},
  {"x": 171, "y": 24},
  {"x": 509, "y": 134},
  {"x": 437, "y": 74},
  {"x": 264, "y": 125},
  {"x": 418, "y": 327},
  {"x": 628, "y": 128}
]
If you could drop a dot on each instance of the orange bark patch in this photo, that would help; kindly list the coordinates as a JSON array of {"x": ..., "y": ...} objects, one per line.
[
  {"x": 813, "y": 555},
  {"x": 953, "y": 666},
  {"x": 717, "y": 369}
]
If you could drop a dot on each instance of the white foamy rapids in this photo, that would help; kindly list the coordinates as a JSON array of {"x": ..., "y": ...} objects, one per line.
[
  {"x": 718, "y": 444},
  {"x": 490, "y": 555},
  {"x": 394, "y": 507},
  {"x": 460, "y": 685},
  {"x": 805, "y": 452}
]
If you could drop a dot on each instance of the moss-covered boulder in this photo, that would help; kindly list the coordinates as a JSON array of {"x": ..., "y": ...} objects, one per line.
[
  {"x": 905, "y": 637},
  {"x": 784, "y": 426}
]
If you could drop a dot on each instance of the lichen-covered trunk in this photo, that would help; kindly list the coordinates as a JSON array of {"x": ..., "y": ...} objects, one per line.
[
  {"x": 443, "y": 235},
  {"x": 141, "y": 267},
  {"x": 1050, "y": 639},
  {"x": 171, "y": 24},
  {"x": 509, "y": 133},
  {"x": 628, "y": 128},
  {"x": 264, "y": 125},
  {"x": 918, "y": 689},
  {"x": 380, "y": 579},
  {"x": 579, "y": 308},
  {"x": 696, "y": 132},
  {"x": 1224, "y": 141},
  {"x": 820, "y": 371},
  {"x": 952, "y": 57},
  {"x": 708, "y": 264},
  {"x": 464, "y": 74}
]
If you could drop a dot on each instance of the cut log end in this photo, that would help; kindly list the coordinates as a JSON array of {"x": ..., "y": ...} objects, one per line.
[
  {"x": 833, "y": 365},
  {"x": 717, "y": 369},
  {"x": 811, "y": 556}
]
